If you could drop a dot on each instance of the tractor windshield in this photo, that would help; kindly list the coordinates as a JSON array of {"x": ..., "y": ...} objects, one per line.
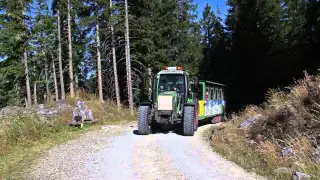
[{"x": 172, "y": 82}]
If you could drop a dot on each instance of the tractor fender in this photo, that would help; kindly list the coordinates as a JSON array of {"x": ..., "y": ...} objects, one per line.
[
  {"x": 146, "y": 104},
  {"x": 189, "y": 104}
]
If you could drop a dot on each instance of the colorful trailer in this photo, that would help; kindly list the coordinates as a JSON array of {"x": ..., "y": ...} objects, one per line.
[{"x": 211, "y": 101}]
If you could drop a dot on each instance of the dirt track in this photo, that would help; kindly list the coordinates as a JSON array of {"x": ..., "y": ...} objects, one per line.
[{"x": 118, "y": 153}]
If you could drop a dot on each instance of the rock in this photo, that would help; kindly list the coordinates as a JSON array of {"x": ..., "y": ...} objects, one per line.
[
  {"x": 214, "y": 131},
  {"x": 46, "y": 114},
  {"x": 298, "y": 166},
  {"x": 46, "y": 111},
  {"x": 62, "y": 105},
  {"x": 301, "y": 176},
  {"x": 316, "y": 156},
  {"x": 251, "y": 142},
  {"x": 11, "y": 111},
  {"x": 259, "y": 138},
  {"x": 287, "y": 151},
  {"x": 221, "y": 127},
  {"x": 110, "y": 127},
  {"x": 14, "y": 111},
  {"x": 248, "y": 123},
  {"x": 283, "y": 171}
]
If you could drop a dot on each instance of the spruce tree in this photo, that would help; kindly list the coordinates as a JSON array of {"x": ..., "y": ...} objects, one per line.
[{"x": 14, "y": 46}]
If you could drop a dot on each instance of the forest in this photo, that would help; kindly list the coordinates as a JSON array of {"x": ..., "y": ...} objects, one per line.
[{"x": 53, "y": 49}]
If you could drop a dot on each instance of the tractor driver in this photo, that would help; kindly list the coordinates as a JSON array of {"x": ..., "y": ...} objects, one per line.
[
  {"x": 177, "y": 84},
  {"x": 171, "y": 83}
]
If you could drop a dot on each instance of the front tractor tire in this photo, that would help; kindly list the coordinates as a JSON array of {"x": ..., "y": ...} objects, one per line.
[
  {"x": 188, "y": 121},
  {"x": 143, "y": 120}
]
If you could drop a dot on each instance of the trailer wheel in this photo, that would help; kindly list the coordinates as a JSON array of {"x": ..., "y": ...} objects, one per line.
[
  {"x": 188, "y": 121},
  {"x": 143, "y": 123},
  {"x": 224, "y": 118}
]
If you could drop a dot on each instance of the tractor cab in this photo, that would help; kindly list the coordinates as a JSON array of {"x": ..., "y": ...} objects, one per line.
[{"x": 172, "y": 81}]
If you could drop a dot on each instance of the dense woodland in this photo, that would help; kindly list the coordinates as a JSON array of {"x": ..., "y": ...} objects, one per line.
[{"x": 53, "y": 48}]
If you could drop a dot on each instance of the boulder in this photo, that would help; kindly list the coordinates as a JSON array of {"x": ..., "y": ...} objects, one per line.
[
  {"x": 49, "y": 112},
  {"x": 11, "y": 111},
  {"x": 249, "y": 122},
  {"x": 301, "y": 176},
  {"x": 287, "y": 151},
  {"x": 63, "y": 105},
  {"x": 316, "y": 156}
]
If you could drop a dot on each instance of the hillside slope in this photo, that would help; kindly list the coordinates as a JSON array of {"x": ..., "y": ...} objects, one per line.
[{"x": 279, "y": 138}]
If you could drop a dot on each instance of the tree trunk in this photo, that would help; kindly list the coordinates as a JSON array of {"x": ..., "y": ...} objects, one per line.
[
  {"x": 56, "y": 92},
  {"x": 35, "y": 94},
  {"x": 76, "y": 81},
  {"x": 99, "y": 59},
  {"x": 70, "y": 53},
  {"x": 47, "y": 80},
  {"x": 63, "y": 92},
  {"x": 26, "y": 71},
  {"x": 128, "y": 61},
  {"x": 150, "y": 82},
  {"x": 116, "y": 82}
]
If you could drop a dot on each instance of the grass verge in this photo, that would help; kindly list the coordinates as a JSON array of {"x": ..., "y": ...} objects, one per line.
[
  {"x": 25, "y": 137},
  {"x": 286, "y": 121}
]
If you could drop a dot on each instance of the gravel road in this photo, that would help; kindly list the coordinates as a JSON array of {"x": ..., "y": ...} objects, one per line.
[{"x": 118, "y": 153}]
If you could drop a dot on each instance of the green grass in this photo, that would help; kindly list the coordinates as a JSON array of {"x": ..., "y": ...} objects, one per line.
[
  {"x": 25, "y": 138},
  {"x": 19, "y": 156}
]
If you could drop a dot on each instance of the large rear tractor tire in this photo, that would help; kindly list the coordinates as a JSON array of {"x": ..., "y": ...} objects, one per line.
[
  {"x": 143, "y": 123},
  {"x": 188, "y": 121}
]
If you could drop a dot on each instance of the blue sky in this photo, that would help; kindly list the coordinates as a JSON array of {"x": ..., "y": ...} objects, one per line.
[{"x": 214, "y": 4}]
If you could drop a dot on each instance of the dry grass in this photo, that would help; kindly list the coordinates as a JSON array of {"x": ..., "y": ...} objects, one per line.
[
  {"x": 289, "y": 119},
  {"x": 24, "y": 137}
]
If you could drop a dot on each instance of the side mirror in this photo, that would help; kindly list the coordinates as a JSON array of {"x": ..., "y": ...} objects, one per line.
[
  {"x": 154, "y": 89},
  {"x": 196, "y": 84}
]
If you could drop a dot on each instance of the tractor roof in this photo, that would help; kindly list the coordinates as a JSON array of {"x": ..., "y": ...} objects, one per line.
[{"x": 172, "y": 70}]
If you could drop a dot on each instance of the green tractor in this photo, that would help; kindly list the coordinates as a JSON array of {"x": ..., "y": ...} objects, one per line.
[{"x": 173, "y": 101}]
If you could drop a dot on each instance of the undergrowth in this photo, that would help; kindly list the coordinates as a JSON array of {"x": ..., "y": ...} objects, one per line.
[
  {"x": 24, "y": 137},
  {"x": 287, "y": 120}
]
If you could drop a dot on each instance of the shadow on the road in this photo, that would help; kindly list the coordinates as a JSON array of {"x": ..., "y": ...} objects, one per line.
[
  {"x": 136, "y": 132},
  {"x": 177, "y": 129}
]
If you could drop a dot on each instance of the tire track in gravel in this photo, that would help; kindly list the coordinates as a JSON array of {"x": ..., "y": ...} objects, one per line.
[
  {"x": 194, "y": 157},
  {"x": 87, "y": 157},
  {"x": 152, "y": 162}
]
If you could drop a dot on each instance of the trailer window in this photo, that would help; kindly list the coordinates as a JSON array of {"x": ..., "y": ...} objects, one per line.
[
  {"x": 216, "y": 93},
  {"x": 221, "y": 94},
  {"x": 212, "y": 94}
]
